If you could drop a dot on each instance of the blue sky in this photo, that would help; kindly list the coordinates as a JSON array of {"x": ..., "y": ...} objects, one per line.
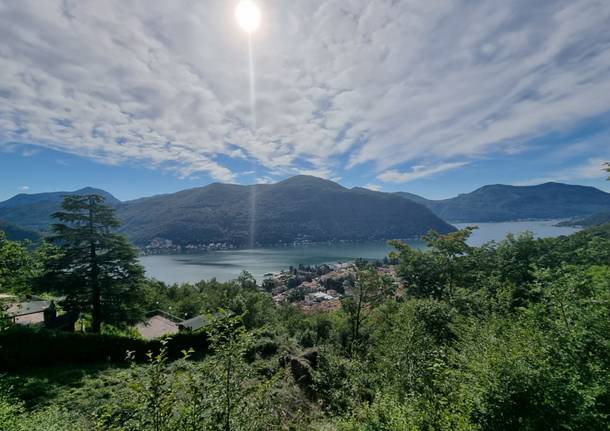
[{"x": 141, "y": 98}]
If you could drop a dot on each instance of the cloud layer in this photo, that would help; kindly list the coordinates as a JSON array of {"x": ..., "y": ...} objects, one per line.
[{"x": 408, "y": 88}]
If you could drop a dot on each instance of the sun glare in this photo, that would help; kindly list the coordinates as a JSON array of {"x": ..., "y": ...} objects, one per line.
[{"x": 248, "y": 15}]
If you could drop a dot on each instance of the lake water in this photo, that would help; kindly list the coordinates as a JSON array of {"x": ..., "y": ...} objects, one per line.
[{"x": 226, "y": 265}]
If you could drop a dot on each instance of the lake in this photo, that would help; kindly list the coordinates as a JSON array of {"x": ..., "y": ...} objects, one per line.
[{"x": 226, "y": 265}]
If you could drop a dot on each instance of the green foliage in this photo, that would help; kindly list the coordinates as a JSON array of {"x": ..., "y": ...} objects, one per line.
[
  {"x": 434, "y": 272},
  {"x": 26, "y": 347},
  {"x": 18, "y": 266},
  {"x": 369, "y": 290},
  {"x": 219, "y": 393},
  {"x": 509, "y": 335},
  {"x": 18, "y": 233},
  {"x": 95, "y": 269},
  {"x": 298, "y": 208}
]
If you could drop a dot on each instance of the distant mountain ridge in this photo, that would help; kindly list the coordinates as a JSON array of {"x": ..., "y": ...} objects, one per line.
[
  {"x": 310, "y": 208},
  {"x": 296, "y": 209},
  {"x": 33, "y": 211},
  {"x": 299, "y": 208},
  {"x": 498, "y": 202}
]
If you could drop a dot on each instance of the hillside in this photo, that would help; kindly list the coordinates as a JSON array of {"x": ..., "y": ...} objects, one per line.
[
  {"x": 592, "y": 220},
  {"x": 495, "y": 203},
  {"x": 17, "y": 233},
  {"x": 33, "y": 211},
  {"x": 299, "y": 208}
]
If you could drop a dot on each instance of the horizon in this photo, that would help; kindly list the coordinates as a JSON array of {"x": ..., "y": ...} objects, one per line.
[
  {"x": 284, "y": 179},
  {"x": 390, "y": 97}
]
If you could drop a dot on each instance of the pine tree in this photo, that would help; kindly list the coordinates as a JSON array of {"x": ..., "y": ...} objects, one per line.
[{"x": 94, "y": 267}]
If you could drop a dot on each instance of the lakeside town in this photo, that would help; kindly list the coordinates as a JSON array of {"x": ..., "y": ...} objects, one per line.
[
  {"x": 321, "y": 287},
  {"x": 313, "y": 288}
]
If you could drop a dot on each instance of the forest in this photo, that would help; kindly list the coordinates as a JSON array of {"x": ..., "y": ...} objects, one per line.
[{"x": 509, "y": 335}]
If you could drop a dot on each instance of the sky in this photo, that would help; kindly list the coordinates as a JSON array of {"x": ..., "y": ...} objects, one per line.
[{"x": 436, "y": 98}]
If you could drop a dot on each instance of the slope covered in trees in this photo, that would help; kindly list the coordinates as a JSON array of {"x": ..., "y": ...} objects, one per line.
[
  {"x": 33, "y": 211},
  {"x": 494, "y": 203},
  {"x": 18, "y": 233},
  {"x": 592, "y": 220},
  {"x": 299, "y": 208},
  {"x": 509, "y": 335}
]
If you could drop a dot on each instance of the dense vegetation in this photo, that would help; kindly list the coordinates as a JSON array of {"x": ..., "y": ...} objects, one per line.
[
  {"x": 300, "y": 208},
  {"x": 592, "y": 220},
  {"x": 494, "y": 203},
  {"x": 17, "y": 233},
  {"x": 309, "y": 208},
  {"x": 510, "y": 335}
]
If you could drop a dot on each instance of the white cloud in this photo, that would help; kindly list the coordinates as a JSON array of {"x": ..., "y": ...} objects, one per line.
[
  {"x": 338, "y": 84},
  {"x": 265, "y": 180},
  {"x": 24, "y": 188},
  {"x": 374, "y": 187},
  {"x": 417, "y": 172},
  {"x": 29, "y": 152},
  {"x": 591, "y": 169}
]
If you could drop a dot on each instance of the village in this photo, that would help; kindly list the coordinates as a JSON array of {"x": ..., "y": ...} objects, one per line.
[
  {"x": 167, "y": 246},
  {"x": 313, "y": 288},
  {"x": 320, "y": 287}
]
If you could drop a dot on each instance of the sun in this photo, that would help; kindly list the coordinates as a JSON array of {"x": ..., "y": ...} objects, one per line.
[{"x": 248, "y": 15}]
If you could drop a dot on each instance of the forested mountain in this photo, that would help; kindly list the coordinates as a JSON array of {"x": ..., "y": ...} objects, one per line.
[
  {"x": 299, "y": 208},
  {"x": 33, "y": 211},
  {"x": 499, "y": 202},
  {"x": 592, "y": 220},
  {"x": 17, "y": 233}
]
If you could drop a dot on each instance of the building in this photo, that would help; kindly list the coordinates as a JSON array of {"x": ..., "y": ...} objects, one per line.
[
  {"x": 41, "y": 312},
  {"x": 28, "y": 313},
  {"x": 157, "y": 326},
  {"x": 193, "y": 324}
]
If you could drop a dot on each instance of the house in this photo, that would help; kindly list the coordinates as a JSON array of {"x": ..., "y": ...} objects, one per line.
[
  {"x": 193, "y": 324},
  {"x": 28, "y": 313},
  {"x": 321, "y": 296},
  {"x": 157, "y": 326},
  {"x": 41, "y": 312}
]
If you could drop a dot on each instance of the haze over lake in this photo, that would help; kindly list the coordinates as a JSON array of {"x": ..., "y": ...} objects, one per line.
[{"x": 226, "y": 265}]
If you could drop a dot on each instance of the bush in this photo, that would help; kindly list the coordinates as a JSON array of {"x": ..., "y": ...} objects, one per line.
[{"x": 24, "y": 347}]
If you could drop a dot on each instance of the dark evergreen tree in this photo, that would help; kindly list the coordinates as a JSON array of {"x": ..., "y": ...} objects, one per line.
[{"x": 94, "y": 267}]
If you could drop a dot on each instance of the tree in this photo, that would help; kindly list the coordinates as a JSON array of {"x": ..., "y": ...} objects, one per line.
[
  {"x": 95, "y": 268},
  {"x": 17, "y": 266},
  {"x": 370, "y": 288},
  {"x": 435, "y": 271},
  {"x": 608, "y": 168}
]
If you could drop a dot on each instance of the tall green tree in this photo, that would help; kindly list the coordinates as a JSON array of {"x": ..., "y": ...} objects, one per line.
[
  {"x": 436, "y": 271},
  {"x": 369, "y": 290},
  {"x": 94, "y": 267},
  {"x": 17, "y": 266}
]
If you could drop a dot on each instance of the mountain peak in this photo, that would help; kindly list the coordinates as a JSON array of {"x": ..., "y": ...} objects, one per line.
[
  {"x": 110, "y": 199},
  {"x": 301, "y": 180},
  {"x": 502, "y": 202}
]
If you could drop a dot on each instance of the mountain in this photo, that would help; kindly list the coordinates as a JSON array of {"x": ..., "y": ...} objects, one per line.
[
  {"x": 592, "y": 220},
  {"x": 17, "y": 233},
  {"x": 494, "y": 203},
  {"x": 299, "y": 208},
  {"x": 33, "y": 211}
]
